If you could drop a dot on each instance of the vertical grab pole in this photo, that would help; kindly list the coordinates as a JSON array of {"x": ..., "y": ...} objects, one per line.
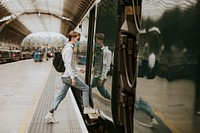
[
  {"x": 89, "y": 56},
  {"x": 90, "y": 46}
]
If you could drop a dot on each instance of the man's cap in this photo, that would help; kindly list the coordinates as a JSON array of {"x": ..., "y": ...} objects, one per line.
[{"x": 100, "y": 36}]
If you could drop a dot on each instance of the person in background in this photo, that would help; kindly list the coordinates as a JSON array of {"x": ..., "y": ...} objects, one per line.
[
  {"x": 70, "y": 78},
  {"x": 102, "y": 61}
]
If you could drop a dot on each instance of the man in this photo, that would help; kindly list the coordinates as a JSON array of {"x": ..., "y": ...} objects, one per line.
[
  {"x": 102, "y": 63},
  {"x": 70, "y": 78}
]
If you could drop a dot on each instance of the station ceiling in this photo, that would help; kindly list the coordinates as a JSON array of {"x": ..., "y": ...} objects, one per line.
[{"x": 22, "y": 17}]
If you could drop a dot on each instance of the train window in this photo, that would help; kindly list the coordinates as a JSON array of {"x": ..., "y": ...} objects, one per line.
[{"x": 103, "y": 57}]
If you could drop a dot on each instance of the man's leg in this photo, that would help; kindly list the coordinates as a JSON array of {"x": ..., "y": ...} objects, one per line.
[
  {"x": 103, "y": 90},
  {"x": 61, "y": 95},
  {"x": 94, "y": 82},
  {"x": 50, "y": 115},
  {"x": 85, "y": 95},
  {"x": 85, "y": 90}
]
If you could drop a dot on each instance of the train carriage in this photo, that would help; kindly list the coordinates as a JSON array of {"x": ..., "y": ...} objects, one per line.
[
  {"x": 16, "y": 55},
  {"x": 5, "y": 56}
]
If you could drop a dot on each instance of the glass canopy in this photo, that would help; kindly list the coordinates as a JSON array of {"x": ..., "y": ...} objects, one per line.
[{"x": 43, "y": 15}]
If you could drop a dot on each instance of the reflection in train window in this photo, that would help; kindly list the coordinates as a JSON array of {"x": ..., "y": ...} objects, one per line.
[{"x": 167, "y": 89}]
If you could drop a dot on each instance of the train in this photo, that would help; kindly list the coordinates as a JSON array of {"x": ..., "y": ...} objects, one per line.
[
  {"x": 155, "y": 67},
  {"x": 7, "y": 56}
]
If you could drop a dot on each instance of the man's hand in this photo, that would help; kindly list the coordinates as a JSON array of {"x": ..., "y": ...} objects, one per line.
[
  {"x": 73, "y": 82},
  {"x": 100, "y": 82},
  {"x": 82, "y": 70}
]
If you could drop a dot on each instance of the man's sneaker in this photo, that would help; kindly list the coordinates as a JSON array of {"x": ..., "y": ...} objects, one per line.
[
  {"x": 50, "y": 118},
  {"x": 154, "y": 122},
  {"x": 88, "y": 110}
]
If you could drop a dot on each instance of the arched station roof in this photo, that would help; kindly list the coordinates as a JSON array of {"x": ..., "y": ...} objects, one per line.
[{"x": 19, "y": 18}]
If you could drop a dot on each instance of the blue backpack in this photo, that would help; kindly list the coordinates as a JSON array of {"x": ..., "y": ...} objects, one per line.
[{"x": 58, "y": 62}]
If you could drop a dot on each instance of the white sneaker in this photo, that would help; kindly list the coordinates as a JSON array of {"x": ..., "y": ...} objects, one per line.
[
  {"x": 50, "y": 118},
  {"x": 154, "y": 122},
  {"x": 88, "y": 110}
]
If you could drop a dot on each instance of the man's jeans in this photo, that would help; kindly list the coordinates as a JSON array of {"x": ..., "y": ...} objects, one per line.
[
  {"x": 66, "y": 83},
  {"x": 101, "y": 88}
]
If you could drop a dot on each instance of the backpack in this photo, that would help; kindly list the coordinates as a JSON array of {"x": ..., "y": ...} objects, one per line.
[{"x": 58, "y": 62}]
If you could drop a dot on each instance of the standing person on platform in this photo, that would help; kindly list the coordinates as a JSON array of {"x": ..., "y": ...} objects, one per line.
[
  {"x": 70, "y": 78},
  {"x": 102, "y": 61}
]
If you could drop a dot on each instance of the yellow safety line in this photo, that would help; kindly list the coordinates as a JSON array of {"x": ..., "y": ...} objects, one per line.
[
  {"x": 26, "y": 121},
  {"x": 163, "y": 118}
]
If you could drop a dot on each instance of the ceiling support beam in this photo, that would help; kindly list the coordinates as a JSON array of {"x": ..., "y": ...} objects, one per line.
[{"x": 4, "y": 24}]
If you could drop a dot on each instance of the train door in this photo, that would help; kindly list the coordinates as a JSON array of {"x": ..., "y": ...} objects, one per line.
[
  {"x": 100, "y": 23},
  {"x": 103, "y": 62}
]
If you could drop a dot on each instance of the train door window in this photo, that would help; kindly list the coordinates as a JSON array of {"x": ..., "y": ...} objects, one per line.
[{"x": 103, "y": 56}]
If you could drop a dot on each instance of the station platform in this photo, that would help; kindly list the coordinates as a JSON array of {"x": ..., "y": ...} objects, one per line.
[{"x": 26, "y": 93}]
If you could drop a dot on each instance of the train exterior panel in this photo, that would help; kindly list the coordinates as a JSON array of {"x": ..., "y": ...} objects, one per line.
[
  {"x": 168, "y": 66},
  {"x": 16, "y": 55},
  {"x": 5, "y": 56},
  {"x": 27, "y": 55},
  {"x": 12, "y": 55}
]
